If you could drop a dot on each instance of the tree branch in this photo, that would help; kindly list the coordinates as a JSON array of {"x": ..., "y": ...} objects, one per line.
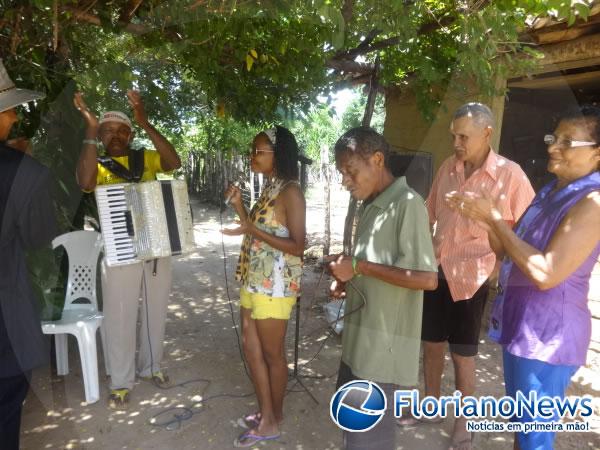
[
  {"x": 436, "y": 25},
  {"x": 373, "y": 87},
  {"x": 82, "y": 16},
  {"x": 15, "y": 38},
  {"x": 129, "y": 10},
  {"x": 367, "y": 46},
  {"x": 348, "y": 10},
  {"x": 360, "y": 48},
  {"x": 55, "y": 25},
  {"x": 353, "y": 81},
  {"x": 350, "y": 66}
]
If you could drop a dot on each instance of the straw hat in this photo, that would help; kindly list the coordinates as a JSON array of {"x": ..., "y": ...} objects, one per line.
[{"x": 10, "y": 95}]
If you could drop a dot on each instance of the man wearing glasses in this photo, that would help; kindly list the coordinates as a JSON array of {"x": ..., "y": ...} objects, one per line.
[{"x": 452, "y": 313}]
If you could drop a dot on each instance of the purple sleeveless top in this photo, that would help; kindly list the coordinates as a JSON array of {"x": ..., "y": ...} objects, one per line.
[{"x": 553, "y": 325}]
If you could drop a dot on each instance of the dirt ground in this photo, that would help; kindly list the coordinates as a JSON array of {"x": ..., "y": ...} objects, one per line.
[{"x": 211, "y": 388}]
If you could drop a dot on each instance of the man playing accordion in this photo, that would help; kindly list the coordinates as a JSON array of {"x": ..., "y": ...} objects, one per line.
[{"x": 123, "y": 285}]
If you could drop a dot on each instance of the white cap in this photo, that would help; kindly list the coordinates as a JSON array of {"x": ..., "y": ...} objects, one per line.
[{"x": 115, "y": 116}]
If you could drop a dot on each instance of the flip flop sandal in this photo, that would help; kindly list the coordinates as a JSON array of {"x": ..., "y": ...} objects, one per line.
[
  {"x": 248, "y": 439},
  {"x": 160, "y": 380},
  {"x": 249, "y": 421},
  {"x": 118, "y": 399}
]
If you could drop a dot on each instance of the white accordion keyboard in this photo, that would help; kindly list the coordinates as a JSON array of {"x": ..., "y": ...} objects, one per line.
[{"x": 142, "y": 221}]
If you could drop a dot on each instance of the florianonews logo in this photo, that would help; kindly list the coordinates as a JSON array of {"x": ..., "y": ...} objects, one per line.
[{"x": 358, "y": 406}]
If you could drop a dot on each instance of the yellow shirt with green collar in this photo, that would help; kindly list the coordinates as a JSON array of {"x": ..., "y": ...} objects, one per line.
[{"x": 152, "y": 166}]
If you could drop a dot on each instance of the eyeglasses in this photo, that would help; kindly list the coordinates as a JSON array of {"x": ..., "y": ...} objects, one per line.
[
  {"x": 255, "y": 151},
  {"x": 551, "y": 139}
]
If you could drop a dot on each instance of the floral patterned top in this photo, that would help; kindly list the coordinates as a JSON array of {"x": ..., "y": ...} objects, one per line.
[{"x": 261, "y": 268}]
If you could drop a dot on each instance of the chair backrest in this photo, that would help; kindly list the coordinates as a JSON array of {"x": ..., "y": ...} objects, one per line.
[{"x": 83, "y": 249}]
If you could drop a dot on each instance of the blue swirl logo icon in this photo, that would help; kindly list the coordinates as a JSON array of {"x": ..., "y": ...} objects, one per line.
[{"x": 358, "y": 406}]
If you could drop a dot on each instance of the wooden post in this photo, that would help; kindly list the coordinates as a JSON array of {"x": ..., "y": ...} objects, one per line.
[
  {"x": 324, "y": 177},
  {"x": 352, "y": 204},
  {"x": 327, "y": 245}
]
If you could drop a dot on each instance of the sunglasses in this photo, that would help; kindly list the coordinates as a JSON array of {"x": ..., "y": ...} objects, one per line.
[
  {"x": 551, "y": 139},
  {"x": 255, "y": 151}
]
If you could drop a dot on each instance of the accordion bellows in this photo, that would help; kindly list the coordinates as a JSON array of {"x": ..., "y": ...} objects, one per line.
[{"x": 144, "y": 221}]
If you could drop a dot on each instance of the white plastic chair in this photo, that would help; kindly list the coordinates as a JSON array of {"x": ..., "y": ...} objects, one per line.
[{"x": 79, "y": 319}]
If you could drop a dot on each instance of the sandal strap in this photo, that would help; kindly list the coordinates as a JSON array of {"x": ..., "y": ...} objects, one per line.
[{"x": 119, "y": 394}]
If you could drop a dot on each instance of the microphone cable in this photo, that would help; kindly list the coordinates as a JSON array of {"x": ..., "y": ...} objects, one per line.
[
  {"x": 172, "y": 418},
  {"x": 229, "y": 301},
  {"x": 328, "y": 327}
]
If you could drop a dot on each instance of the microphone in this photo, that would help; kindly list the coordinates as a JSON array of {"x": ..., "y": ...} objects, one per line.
[
  {"x": 235, "y": 183},
  {"x": 239, "y": 178},
  {"x": 228, "y": 199}
]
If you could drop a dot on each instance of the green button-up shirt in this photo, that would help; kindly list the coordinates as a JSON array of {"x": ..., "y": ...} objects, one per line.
[{"x": 381, "y": 341}]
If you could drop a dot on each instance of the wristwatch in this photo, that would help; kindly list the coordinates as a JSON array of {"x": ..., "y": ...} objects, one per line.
[{"x": 91, "y": 141}]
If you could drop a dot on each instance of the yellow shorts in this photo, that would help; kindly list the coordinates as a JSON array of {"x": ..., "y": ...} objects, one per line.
[{"x": 265, "y": 307}]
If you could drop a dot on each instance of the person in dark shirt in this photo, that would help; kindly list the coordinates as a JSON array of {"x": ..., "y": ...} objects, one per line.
[{"x": 26, "y": 222}]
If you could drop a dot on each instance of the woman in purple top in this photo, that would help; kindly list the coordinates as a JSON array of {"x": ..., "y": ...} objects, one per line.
[{"x": 540, "y": 316}]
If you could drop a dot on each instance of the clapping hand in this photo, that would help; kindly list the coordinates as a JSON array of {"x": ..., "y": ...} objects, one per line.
[
  {"x": 90, "y": 118},
  {"x": 481, "y": 208},
  {"x": 137, "y": 105}
]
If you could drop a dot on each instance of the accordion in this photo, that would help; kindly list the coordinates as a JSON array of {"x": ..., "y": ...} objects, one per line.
[{"x": 143, "y": 221}]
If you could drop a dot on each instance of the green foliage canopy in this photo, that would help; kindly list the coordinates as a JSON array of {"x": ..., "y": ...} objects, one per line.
[{"x": 256, "y": 60}]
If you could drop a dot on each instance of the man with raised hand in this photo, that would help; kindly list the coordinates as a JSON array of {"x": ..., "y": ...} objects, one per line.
[{"x": 122, "y": 286}]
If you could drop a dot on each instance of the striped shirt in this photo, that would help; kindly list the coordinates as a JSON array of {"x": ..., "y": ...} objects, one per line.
[{"x": 461, "y": 245}]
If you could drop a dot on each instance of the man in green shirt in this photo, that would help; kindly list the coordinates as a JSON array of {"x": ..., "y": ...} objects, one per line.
[{"x": 392, "y": 263}]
